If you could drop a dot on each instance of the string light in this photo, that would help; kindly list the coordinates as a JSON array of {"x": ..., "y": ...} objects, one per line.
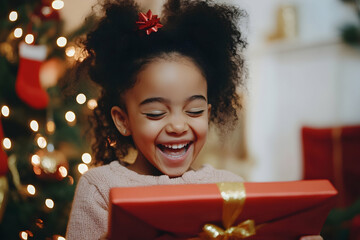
[
  {"x": 41, "y": 141},
  {"x": 29, "y": 38},
  {"x": 81, "y": 98},
  {"x": 92, "y": 104},
  {"x": 63, "y": 171},
  {"x": 60, "y": 238},
  {"x": 70, "y": 116},
  {"x": 70, "y": 51},
  {"x": 34, "y": 125},
  {"x": 35, "y": 160},
  {"x": 57, "y": 4},
  {"x": 50, "y": 126},
  {"x": 86, "y": 158},
  {"x": 18, "y": 32},
  {"x": 7, "y": 143},
  {"x": 31, "y": 189},
  {"x": 49, "y": 203},
  {"x": 61, "y": 41},
  {"x": 82, "y": 168},
  {"x": 5, "y": 111},
  {"x": 23, "y": 235},
  {"x": 13, "y": 16},
  {"x": 46, "y": 10},
  {"x": 50, "y": 147}
]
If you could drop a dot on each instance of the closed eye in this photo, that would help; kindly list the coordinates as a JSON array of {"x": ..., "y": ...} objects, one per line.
[
  {"x": 195, "y": 112},
  {"x": 154, "y": 115}
]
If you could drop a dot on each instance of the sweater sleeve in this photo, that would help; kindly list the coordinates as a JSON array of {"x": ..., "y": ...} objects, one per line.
[{"x": 89, "y": 213}]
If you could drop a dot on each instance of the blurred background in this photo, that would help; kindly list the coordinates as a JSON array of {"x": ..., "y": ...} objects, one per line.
[{"x": 300, "y": 116}]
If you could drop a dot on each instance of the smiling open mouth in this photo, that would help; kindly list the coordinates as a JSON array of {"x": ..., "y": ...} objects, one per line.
[{"x": 174, "y": 150}]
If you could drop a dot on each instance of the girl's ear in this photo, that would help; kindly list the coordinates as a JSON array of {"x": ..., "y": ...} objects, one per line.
[{"x": 121, "y": 120}]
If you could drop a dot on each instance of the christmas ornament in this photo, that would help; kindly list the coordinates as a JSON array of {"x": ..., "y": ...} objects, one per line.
[
  {"x": 45, "y": 12},
  {"x": 51, "y": 165},
  {"x": 4, "y": 189},
  {"x": 3, "y": 157},
  {"x": 27, "y": 84},
  {"x": 50, "y": 72},
  {"x": 148, "y": 22}
]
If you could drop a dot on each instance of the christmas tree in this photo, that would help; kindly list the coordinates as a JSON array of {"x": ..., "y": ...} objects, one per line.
[{"x": 43, "y": 147}]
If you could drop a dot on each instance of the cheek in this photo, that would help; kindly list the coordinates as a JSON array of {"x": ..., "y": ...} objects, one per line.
[{"x": 200, "y": 127}]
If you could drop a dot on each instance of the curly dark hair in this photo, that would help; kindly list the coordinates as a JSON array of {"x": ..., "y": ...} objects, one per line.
[{"x": 116, "y": 51}]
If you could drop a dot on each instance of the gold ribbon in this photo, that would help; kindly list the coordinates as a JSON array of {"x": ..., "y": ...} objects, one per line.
[{"x": 234, "y": 198}]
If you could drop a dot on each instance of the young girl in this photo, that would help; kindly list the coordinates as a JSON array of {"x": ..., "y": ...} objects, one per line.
[{"x": 162, "y": 82}]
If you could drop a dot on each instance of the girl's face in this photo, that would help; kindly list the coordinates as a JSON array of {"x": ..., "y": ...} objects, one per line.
[{"x": 167, "y": 116}]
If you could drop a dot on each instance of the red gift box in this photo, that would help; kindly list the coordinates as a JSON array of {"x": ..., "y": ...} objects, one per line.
[{"x": 279, "y": 210}]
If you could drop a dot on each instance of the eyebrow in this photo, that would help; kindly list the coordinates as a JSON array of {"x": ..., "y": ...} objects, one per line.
[{"x": 163, "y": 100}]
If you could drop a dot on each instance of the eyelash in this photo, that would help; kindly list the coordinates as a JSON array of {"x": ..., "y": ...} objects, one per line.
[{"x": 159, "y": 115}]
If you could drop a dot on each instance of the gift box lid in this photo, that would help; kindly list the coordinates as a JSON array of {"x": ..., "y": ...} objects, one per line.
[{"x": 183, "y": 210}]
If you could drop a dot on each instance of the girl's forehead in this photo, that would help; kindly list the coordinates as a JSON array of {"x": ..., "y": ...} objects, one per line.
[{"x": 172, "y": 79}]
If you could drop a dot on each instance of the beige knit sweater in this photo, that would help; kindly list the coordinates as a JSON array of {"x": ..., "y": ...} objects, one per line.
[{"x": 89, "y": 214}]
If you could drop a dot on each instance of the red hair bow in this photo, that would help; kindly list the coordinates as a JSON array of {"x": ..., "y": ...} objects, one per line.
[{"x": 148, "y": 22}]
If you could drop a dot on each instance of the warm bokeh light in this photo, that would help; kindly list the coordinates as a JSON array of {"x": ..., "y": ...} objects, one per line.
[
  {"x": 18, "y": 32},
  {"x": 70, "y": 116},
  {"x": 92, "y": 104},
  {"x": 5, "y": 111},
  {"x": 35, "y": 160},
  {"x": 23, "y": 235},
  {"x": 31, "y": 189},
  {"x": 61, "y": 41},
  {"x": 63, "y": 171},
  {"x": 50, "y": 147},
  {"x": 7, "y": 143},
  {"x": 57, "y": 4},
  {"x": 86, "y": 158},
  {"x": 81, "y": 98},
  {"x": 49, "y": 203},
  {"x": 13, "y": 16},
  {"x": 45, "y": 10},
  {"x": 34, "y": 125},
  {"x": 70, "y": 51},
  {"x": 82, "y": 167},
  {"x": 41, "y": 141},
  {"x": 50, "y": 126},
  {"x": 29, "y": 38},
  {"x": 60, "y": 238}
]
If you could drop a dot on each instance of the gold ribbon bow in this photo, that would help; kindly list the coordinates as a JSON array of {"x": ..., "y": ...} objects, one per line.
[{"x": 234, "y": 199}]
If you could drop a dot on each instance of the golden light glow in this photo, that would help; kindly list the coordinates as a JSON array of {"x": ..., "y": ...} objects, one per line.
[
  {"x": 57, "y": 4},
  {"x": 31, "y": 189},
  {"x": 70, "y": 51},
  {"x": 49, "y": 203},
  {"x": 7, "y": 143},
  {"x": 41, "y": 141},
  {"x": 82, "y": 168},
  {"x": 81, "y": 98},
  {"x": 35, "y": 160},
  {"x": 23, "y": 235},
  {"x": 46, "y": 10},
  {"x": 50, "y": 126},
  {"x": 86, "y": 158},
  {"x": 18, "y": 32},
  {"x": 70, "y": 116},
  {"x": 63, "y": 171},
  {"x": 34, "y": 125},
  {"x": 29, "y": 38},
  {"x": 13, "y": 16},
  {"x": 92, "y": 104},
  {"x": 61, "y": 41},
  {"x": 5, "y": 111},
  {"x": 61, "y": 238}
]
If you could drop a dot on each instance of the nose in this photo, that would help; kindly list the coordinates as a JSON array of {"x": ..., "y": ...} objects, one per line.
[{"x": 177, "y": 125}]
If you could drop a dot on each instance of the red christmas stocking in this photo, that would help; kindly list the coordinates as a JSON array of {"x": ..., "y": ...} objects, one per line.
[
  {"x": 3, "y": 156},
  {"x": 27, "y": 84}
]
